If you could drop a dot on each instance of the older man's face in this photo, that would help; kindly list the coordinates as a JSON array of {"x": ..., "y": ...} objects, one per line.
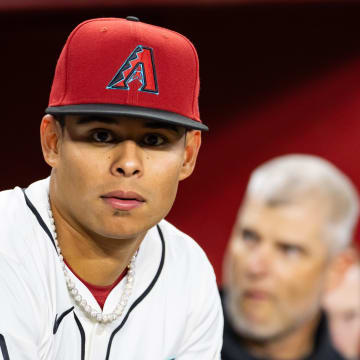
[{"x": 276, "y": 263}]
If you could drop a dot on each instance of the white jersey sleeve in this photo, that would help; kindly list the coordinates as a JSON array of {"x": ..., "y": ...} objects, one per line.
[
  {"x": 203, "y": 335},
  {"x": 24, "y": 312},
  {"x": 18, "y": 317}
]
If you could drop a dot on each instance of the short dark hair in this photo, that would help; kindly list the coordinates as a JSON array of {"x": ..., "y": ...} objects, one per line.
[{"x": 60, "y": 119}]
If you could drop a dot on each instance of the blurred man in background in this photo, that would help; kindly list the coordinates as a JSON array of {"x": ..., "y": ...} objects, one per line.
[
  {"x": 298, "y": 215},
  {"x": 342, "y": 304}
]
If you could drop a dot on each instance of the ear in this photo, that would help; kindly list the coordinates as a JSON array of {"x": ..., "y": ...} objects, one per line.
[
  {"x": 192, "y": 146},
  {"x": 338, "y": 267},
  {"x": 50, "y": 134}
]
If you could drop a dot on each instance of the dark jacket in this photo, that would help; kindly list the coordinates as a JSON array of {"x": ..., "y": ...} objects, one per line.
[{"x": 233, "y": 349}]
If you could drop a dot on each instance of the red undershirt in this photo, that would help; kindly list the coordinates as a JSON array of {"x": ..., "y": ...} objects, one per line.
[{"x": 100, "y": 293}]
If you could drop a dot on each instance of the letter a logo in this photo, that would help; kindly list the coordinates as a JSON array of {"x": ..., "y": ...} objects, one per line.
[{"x": 138, "y": 66}]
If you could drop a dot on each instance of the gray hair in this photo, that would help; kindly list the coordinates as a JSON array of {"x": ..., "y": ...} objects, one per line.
[{"x": 285, "y": 178}]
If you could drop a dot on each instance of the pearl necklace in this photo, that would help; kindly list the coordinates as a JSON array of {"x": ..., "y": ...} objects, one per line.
[{"x": 80, "y": 301}]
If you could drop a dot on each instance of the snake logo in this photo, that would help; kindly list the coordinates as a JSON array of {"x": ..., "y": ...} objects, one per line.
[{"x": 138, "y": 66}]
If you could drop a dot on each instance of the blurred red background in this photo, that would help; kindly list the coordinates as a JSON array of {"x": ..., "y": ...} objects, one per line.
[{"x": 276, "y": 78}]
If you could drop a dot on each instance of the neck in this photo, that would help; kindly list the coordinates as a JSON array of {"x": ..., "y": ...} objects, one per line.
[
  {"x": 294, "y": 345},
  {"x": 96, "y": 259}
]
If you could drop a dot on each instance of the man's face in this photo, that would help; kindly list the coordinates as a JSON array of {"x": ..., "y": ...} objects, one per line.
[
  {"x": 275, "y": 266},
  {"x": 116, "y": 177}
]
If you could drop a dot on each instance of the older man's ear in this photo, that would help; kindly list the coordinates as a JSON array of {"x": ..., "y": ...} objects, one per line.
[{"x": 339, "y": 266}]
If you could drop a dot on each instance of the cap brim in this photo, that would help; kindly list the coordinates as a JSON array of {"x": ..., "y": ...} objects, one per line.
[{"x": 123, "y": 110}]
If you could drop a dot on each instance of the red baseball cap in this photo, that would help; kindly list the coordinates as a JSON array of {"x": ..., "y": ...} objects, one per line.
[{"x": 123, "y": 67}]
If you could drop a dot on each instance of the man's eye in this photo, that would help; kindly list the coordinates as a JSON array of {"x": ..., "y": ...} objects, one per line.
[
  {"x": 249, "y": 236},
  {"x": 102, "y": 136},
  {"x": 290, "y": 250},
  {"x": 153, "y": 140}
]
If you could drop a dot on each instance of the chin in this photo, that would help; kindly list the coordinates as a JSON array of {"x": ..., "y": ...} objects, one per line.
[
  {"x": 123, "y": 233},
  {"x": 261, "y": 330},
  {"x": 115, "y": 231},
  {"x": 121, "y": 224},
  {"x": 255, "y": 331}
]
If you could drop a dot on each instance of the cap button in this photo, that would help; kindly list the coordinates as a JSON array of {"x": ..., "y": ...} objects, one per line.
[{"x": 132, "y": 18}]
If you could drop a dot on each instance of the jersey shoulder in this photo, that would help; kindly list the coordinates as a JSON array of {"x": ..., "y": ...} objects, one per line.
[
  {"x": 8, "y": 198},
  {"x": 12, "y": 225},
  {"x": 178, "y": 240},
  {"x": 12, "y": 207},
  {"x": 183, "y": 250},
  {"x": 18, "y": 226}
]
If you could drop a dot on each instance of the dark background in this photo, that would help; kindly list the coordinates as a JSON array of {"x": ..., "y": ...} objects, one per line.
[{"x": 276, "y": 78}]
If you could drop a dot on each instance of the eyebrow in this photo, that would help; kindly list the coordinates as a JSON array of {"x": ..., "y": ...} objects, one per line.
[
  {"x": 110, "y": 120},
  {"x": 103, "y": 119},
  {"x": 158, "y": 125}
]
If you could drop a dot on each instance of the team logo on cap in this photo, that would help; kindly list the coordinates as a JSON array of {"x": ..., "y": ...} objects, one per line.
[{"x": 138, "y": 66}]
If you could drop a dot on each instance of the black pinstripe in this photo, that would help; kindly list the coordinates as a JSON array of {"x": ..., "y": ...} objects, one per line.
[
  {"x": 3, "y": 348},
  {"x": 82, "y": 335},
  {"x": 142, "y": 296}
]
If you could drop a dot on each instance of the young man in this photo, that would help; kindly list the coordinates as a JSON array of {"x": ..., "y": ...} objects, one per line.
[
  {"x": 298, "y": 214},
  {"x": 88, "y": 267}
]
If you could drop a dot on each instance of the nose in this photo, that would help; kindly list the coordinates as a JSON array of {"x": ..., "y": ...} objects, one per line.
[
  {"x": 128, "y": 160},
  {"x": 259, "y": 262}
]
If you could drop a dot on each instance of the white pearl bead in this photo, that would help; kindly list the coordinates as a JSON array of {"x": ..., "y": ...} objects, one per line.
[
  {"x": 99, "y": 317},
  {"x": 118, "y": 311},
  {"x": 88, "y": 309},
  {"x": 93, "y": 314},
  {"x": 78, "y": 298},
  {"x": 74, "y": 291}
]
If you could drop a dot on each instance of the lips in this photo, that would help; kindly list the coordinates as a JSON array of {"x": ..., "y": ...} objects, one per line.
[
  {"x": 123, "y": 200},
  {"x": 257, "y": 295}
]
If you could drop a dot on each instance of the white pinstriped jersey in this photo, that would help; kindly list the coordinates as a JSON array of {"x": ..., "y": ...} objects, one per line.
[{"x": 174, "y": 311}]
